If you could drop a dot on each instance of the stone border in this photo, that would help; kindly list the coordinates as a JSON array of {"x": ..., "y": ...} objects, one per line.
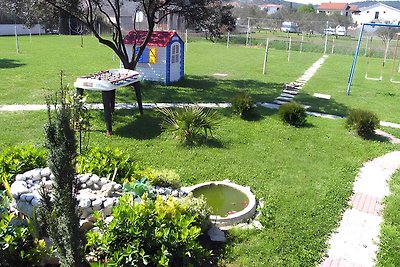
[{"x": 237, "y": 217}]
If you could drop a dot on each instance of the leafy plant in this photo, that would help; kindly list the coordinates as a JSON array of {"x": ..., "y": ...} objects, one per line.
[
  {"x": 137, "y": 188},
  {"x": 18, "y": 246},
  {"x": 80, "y": 118},
  {"x": 164, "y": 178},
  {"x": 293, "y": 113},
  {"x": 60, "y": 211},
  {"x": 197, "y": 207},
  {"x": 107, "y": 162},
  {"x": 243, "y": 104},
  {"x": 267, "y": 212},
  {"x": 19, "y": 159},
  {"x": 149, "y": 233},
  {"x": 190, "y": 124},
  {"x": 364, "y": 122}
]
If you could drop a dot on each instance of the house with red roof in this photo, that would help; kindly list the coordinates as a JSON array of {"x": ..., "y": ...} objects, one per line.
[
  {"x": 343, "y": 9},
  {"x": 163, "y": 58}
]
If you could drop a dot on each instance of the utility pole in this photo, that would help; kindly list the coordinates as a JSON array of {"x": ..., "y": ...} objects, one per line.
[{"x": 326, "y": 36}]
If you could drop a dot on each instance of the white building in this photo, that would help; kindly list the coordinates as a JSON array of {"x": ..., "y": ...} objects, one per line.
[
  {"x": 377, "y": 13},
  {"x": 270, "y": 8}
]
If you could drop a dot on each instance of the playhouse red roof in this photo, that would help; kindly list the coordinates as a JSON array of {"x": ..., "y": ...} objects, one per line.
[{"x": 158, "y": 38}]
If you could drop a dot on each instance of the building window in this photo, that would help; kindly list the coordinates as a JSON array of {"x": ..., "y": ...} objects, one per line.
[
  {"x": 347, "y": 13},
  {"x": 175, "y": 53},
  {"x": 368, "y": 11},
  {"x": 376, "y": 14}
]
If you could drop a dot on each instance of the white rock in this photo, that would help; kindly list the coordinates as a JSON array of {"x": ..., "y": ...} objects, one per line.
[
  {"x": 109, "y": 202},
  {"x": 94, "y": 178},
  {"x": 20, "y": 177},
  {"x": 108, "y": 219},
  {"x": 27, "y": 197},
  {"x": 216, "y": 234},
  {"x": 25, "y": 208},
  {"x": 36, "y": 174},
  {"x": 83, "y": 186},
  {"x": 83, "y": 178},
  {"x": 84, "y": 203},
  {"x": 103, "y": 181},
  {"x": 95, "y": 187},
  {"x": 48, "y": 184},
  {"x": 86, "y": 212},
  {"x": 86, "y": 225},
  {"x": 35, "y": 201},
  {"x": 89, "y": 183},
  {"x": 107, "y": 189},
  {"x": 18, "y": 188},
  {"x": 117, "y": 187},
  {"x": 45, "y": 172},
  {"x": 168, "y": 191},
  {"x": 96, "y": 204},
  {"x": 52, "y": 176},
  {"x": 175, "y": 193}
]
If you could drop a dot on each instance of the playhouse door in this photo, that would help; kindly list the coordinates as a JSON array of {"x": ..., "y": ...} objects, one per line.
[{"x": 175, "y": 62}]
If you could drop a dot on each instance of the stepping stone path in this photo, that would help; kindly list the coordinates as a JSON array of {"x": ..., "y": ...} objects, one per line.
[
  {"x": 355, "y": 242},
  {"x": 290, "y": 90}
]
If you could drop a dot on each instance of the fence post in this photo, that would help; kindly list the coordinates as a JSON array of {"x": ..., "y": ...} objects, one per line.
[
  {"x": 290, "y": 46},
  {"x": 227, "y": 41},
  {"x": 326, "y": 37},
  {"x": 333, "y": 45},
  {"x": 265, "y": 57},
  {"x": 301, "y": 44}
]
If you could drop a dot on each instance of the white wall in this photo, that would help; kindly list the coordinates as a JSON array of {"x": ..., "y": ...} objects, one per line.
[
  {"x": 9, "y": 29},
  {"x": 385, "y": 14},
  {"x": 152, "y": 72}
]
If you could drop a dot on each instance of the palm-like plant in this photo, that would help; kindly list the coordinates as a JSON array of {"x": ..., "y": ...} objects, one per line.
[{"x": 190, "y": 123}]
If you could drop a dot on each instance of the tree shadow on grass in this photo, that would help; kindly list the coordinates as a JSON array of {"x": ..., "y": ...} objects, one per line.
[
  {"x": 141, "y": 127},
  {"x": 6, "y": 63},
  {"x": 328, "y": 106},
  {"x": 200, "y": 89}
]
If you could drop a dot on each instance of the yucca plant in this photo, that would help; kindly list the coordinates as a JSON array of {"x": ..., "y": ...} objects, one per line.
[{"x": 190, "y": 124}]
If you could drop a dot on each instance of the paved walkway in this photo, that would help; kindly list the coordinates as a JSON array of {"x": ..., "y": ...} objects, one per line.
[{"x": 355, "y": 242}]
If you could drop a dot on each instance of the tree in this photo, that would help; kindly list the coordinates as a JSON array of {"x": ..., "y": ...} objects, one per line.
[
  {"x": 387, "y": 34},
  {"x": 90, "y": 11},
  {"x": 215, "y": 20},
  {"x": 306, "y": 9},
  {"x": 59, "y": 211}
]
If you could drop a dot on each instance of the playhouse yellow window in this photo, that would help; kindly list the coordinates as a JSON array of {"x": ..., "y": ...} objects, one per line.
[{"x": 153, "y": 56}]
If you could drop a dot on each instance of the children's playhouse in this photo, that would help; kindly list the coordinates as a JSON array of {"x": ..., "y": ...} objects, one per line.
[{"x": 163, "y": 57}]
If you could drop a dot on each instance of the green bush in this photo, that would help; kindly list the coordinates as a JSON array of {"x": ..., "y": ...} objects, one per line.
[
  {"x": 148, "y": 233},
  {"x": 165, "y": 178},
  {"x": 19, "y": 159},
  {"x": 107, "y": 162},
  {"x": 191, "y": 124},
  {"x": 243, "y": 105},
  {"x": 293, "y": 113},
  {"x": 18, "y": 246},
  {"x": 364, "y": 122},
  {"x": 198, "y": 207}
]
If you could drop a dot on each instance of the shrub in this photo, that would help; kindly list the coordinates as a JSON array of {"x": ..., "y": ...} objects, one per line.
[
  {"x": 137, "y": 188},
  {"x": 18, "y": 246},
  {"x": 198, "y": 207},
  {"x": 165, "y": 178},
  {"x": 151, "y": 233},
  {"x": 107, "y": 162},
  {"x": 19, "y": 159},
  {"x": 364, "y": 122},
  {"x": 243, "y": 105},
  {"x": 293, "y": 113},
  {"x": 190, "y": 124}
]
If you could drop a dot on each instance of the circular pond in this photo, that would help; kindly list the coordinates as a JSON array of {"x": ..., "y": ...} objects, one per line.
[{"x": 230, "y": 203}]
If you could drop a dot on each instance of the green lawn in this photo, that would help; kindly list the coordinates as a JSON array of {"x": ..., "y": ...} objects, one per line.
[
  {"x": 378, "y": 96},
  {"x": 307, "y": 172},
  {"x": 389, "y": 255}
]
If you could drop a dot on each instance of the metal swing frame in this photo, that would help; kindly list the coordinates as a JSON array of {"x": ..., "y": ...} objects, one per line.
[
  {"x": 356, "y": 52},
  {"x": 392, "y": 80},
  {"x": 368, "y": 60}
]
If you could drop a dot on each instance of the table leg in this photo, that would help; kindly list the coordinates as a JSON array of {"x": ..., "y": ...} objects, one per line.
[
  {"x": 79, "y": 91},
  {"x": 112, "y": 95},
  {"x": 138, "y": 97},
  {"x": 107, "y": 97}
]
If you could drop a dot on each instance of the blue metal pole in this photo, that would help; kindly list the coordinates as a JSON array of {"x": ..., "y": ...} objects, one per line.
[{"x": 353, "y": 66}]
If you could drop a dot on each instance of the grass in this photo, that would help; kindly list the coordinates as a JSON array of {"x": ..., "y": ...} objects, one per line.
[
  {"x": 378, "y": 96},
  {"x": 307, "y": 171},
  {"x": 26, "y": 77},
  {"x": 389, "y": 255}
]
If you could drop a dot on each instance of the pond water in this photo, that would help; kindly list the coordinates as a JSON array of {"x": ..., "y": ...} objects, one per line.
[{"x": 224, "y": 200}]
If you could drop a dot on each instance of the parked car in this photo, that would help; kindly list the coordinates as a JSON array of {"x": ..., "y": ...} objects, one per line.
[{"x": 288, "y": 26}]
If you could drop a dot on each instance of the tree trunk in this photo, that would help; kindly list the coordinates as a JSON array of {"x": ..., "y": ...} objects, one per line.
[{"x": 63, "y": 26}]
